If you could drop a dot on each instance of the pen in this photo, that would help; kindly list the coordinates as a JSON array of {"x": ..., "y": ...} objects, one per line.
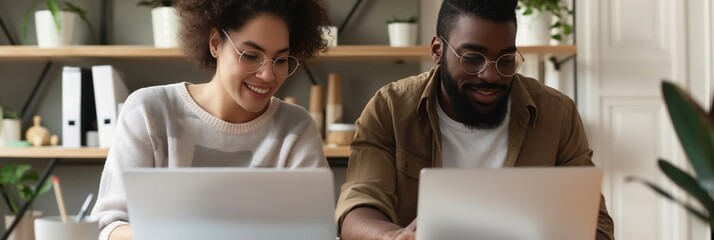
[
  {"x": 85, "y": 205},
  {"x": 60, "y": 200}
]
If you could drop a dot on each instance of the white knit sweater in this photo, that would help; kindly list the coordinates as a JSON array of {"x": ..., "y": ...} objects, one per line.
[{"x": 163, "y": 126}]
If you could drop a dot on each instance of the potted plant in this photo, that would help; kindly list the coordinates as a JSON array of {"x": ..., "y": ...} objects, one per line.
[
  {"x": 695, "y": 130},
  {"x": 542, "y": 20},
  {"x": 402, "y": 31},
  {"x": 54, "y": 26},
  {"x": 17, "y": 185},
  {"x": 164, "y": 21},
  {"x": 10, "y": 127}
]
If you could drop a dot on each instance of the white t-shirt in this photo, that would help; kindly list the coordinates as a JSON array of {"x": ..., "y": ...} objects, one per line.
[{"x": 462, "y": 147}]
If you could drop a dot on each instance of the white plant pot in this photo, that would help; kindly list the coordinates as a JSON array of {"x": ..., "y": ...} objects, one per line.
[
  {"x": 402, "y": 34},
  {"x": 329, "y": 34},
  {"x": 534, "y": 29},
  {"x": 25, "y": 229},
  {"x": 10, "y": 131},
  {"x": 48, "y": 36},
  {"x": 165, "y": 24}
]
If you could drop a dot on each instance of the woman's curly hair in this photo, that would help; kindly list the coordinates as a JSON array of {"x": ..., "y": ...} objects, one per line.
[{"x": 303, "y": 17}]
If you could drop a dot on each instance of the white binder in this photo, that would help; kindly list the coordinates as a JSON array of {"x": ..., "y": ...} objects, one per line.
[
  {"x": 109, "y": 92},
  {"x": 78, "y": 107}
]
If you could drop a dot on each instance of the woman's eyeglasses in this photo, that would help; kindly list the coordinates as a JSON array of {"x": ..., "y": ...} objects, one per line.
[{"x": 252, "y": 61}]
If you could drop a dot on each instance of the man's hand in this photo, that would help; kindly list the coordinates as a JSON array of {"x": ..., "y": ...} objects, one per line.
[
  {"x": 407, "y": 233},
  {"x": 369, "y": 223}
]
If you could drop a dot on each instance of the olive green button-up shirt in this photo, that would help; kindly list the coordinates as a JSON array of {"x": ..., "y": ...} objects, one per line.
[{"x": 398, "y": 135}]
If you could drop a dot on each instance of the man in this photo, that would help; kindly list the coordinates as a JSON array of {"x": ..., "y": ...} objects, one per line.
[{"x": 471, "y": 111}]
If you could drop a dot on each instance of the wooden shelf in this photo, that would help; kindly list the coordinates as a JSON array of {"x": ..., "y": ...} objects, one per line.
[
  {"x": 101, "y": 153},
  {"x": 366, "y": 52},
  {"x": 53, "y": 152},
  {"x": 337, "y": 152}
]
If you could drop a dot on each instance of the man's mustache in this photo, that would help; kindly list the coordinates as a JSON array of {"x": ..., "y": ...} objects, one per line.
[{"x": 486, "y": 85}]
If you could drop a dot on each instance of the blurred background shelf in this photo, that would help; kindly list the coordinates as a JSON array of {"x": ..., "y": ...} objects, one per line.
[
  {"x": 353, "y": 52},
  {"x": 100, "y": 154}
]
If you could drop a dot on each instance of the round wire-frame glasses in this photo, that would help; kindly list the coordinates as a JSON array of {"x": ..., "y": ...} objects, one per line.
[
  {"x": 252, "y": 61},
  {"x": 474, "y": 63}
]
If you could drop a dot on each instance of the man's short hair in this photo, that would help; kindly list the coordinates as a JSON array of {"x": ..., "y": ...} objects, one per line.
[{"x": 494, "y": 10}]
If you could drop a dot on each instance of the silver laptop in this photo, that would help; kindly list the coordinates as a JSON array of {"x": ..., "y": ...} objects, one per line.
[
  {"x": 230, "y": 203},
  {"x": 509, "y": 204}
]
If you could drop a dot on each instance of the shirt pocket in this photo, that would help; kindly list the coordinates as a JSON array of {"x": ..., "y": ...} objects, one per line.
[{"x": 409, "y": 165}]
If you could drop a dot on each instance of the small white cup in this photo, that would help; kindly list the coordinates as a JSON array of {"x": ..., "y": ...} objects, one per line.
[
  {"x": 52, "y": 228},
  {"x": 92, "y": 139}
]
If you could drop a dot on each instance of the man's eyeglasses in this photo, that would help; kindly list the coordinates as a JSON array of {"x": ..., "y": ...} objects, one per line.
[
  {"x": 474, "y": 63},
  {"x": 252, "y": 61}
]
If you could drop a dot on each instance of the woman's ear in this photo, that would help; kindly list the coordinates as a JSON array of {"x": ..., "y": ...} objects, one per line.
[
  {"x": 436, "y": 50},
  {"x": 214, "y": 42}
]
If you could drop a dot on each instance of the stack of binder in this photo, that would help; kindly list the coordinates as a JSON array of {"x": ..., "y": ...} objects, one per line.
[{"x": 90, "y": 101}]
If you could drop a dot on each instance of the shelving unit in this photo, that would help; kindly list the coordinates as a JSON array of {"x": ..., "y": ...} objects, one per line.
[
  {"x": 354, "y": 52},
  {"x": 340, "y": 53}
]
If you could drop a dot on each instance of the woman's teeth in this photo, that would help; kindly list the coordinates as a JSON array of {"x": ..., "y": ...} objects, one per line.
[
  {"x": 257, "y": 89},
  {"x": 486, "y": 92}
]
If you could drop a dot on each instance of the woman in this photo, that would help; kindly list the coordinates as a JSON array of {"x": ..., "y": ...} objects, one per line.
[{"x": 251, "y": 46}]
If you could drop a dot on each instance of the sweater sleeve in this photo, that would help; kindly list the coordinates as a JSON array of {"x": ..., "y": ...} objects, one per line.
[{"x": 131, "y": 148}]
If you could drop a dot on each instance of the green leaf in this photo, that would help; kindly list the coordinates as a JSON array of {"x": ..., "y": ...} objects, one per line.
[
  {"x": 687, "y": 183},
  {"x": 45, "y": 187},
  {"x": 557, "y": 37},
  {"x": 697, "y": 213},
  {"x": 26, "y": 20},
  {"x": 20, "y": 172},
  {"x": 567, "y": 28},
  {"x": 54, "y": 8},
  {"x": 528, "y": 11},
  {"x": 695, "y": 132}
]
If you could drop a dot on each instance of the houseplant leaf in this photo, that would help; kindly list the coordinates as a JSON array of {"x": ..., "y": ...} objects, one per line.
[
  {"x": 26, "y": 20},
  {"x": 695, "y": 132},
  {"x": 687, "y": 183},
  {"x": 54, "y": 8},
  {"x": 20, "y": 173},
  {"x": 697, "y": 213}
]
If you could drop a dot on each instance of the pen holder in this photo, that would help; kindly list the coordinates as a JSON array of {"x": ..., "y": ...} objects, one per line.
[{"x": 52, "y": 228}]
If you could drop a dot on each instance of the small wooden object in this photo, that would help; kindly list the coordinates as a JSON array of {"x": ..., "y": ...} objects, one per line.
[
  {"x": 316, "y": 107},
  {"x": 291, "y": 100},
  {"x": 333, "y": 112},
  {"x": 54, "y": 140},
  {"x": 37, "y": 135}
]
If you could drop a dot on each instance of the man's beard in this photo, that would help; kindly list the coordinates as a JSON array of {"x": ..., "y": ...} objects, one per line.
[{"x": 467, "y": 113}]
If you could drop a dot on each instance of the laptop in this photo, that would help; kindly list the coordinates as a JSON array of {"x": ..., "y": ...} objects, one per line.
[
  {"x": 230, "y": 203},
  {"x": 509, "y": 204}
]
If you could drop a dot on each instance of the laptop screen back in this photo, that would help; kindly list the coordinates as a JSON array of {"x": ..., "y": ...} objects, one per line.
[
  {"x": 509, "y": 204},
  {"x": 230, "y": 203}
]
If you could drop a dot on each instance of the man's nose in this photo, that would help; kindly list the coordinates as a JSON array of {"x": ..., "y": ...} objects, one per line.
[{"x": 490, "y": 74}]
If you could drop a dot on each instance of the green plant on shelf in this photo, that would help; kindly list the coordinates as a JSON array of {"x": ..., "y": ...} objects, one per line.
[
  {"x": 17, "y": 185},
  {"x": 411, "y": 19},
  {"x": 556, "y": 8},
  {"x": 55, "y": 7},
  {"x": 156, "y": 3}
]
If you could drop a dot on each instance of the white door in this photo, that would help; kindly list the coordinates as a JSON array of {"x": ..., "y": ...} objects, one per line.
[{"x": 625, "y": 49}]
